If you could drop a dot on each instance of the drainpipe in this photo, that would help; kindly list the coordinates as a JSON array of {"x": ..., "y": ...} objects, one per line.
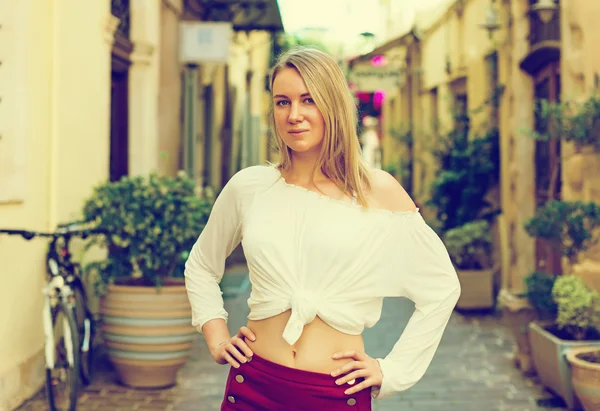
[
  {"x": 190, "y": 119},
  {"x": 54, "y": 135}
]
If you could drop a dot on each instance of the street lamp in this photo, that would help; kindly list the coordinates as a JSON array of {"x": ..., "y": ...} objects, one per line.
[
  {"x": 545, "y": 9},
  {"x": 491, "y": 23},
  {"x": 368, "y": 41}
]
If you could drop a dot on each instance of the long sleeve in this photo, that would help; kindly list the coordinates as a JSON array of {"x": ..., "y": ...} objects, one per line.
[
  {"x": 206, "y": 262},
  {"x": 420, "y": 269}
]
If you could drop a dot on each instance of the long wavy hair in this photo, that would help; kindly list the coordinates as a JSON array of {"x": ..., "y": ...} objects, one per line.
[{"x": 340, "y": 159}]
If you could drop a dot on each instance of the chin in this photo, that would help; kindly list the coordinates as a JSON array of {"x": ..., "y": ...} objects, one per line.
[{"x": 303, "y": 147}]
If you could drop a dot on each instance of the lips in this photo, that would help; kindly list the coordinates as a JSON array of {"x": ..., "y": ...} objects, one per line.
[{"x": 297, "y": 131}]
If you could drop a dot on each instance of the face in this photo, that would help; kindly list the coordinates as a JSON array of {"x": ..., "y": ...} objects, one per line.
[{"x": 297, "y": 119}]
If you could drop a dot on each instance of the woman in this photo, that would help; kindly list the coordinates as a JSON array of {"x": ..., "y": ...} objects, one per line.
[{"x": 326, "y": 239}]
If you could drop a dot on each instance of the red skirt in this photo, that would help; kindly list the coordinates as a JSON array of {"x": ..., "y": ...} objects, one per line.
[{"x": 261, "y": 385}]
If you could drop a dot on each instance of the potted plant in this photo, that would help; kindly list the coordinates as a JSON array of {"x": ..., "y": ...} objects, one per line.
[
  {"x": 576, "y": 122},
  {"x": 465, "y": 209},
  {"x": 575, "y": 326},
  {"x": 469, "y": 171},
  {"x": 146, "y": 317},
  {"x": 519, "y": 310},
  {"x": 571, "y": 228},
  {"x": 469, "y": 246}
]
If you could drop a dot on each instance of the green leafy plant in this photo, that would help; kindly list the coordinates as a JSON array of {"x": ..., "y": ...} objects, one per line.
[
  {"x": 149, "y": 222},
  {"x": 469, "y": 168},
  {"x": 578, "y": 122},
  {"x": 539, "y": 294},
  {"x": 404, "y": 136},
  {"x": 470, "y": 245},
  {"x": 570, "y": 226},
  {"x": 578, "y": 307}
]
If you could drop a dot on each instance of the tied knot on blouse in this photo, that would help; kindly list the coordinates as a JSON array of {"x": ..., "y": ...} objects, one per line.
[{"x": 304, "y": 310}]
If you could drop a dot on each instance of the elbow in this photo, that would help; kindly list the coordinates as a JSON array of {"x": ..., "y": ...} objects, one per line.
[
  {"x": 453, "y": 283},
  {"x": 455, "y": 290}
]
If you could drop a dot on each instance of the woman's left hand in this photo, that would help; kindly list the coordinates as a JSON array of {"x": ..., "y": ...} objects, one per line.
[{"x": 362, "y": 366}]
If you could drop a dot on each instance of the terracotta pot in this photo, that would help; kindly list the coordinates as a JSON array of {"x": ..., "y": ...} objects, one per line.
[
  {"x": 585, "y": 376},
  {"x": 477, "y": 289},
  {"x": 518, "y": 314},
  {"x": 148, "y": 332}
]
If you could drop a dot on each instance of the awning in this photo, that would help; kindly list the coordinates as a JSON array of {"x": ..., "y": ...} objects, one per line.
[{"x": 246, "y": 15}]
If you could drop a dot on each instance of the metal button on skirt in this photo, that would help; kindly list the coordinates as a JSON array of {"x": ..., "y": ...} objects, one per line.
[{"x": 261, "y": 385}]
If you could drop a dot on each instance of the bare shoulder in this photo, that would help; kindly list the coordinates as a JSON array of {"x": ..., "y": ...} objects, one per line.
[{"x": 387, "y": 193}]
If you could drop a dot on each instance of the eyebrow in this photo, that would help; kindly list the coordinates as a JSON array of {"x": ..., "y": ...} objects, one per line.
[{"x": 284, "y": 96}]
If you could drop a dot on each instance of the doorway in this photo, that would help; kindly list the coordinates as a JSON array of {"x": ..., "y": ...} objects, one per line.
[
  {"x": 547, "y": 164},
  {"x": 119, "y": 115}
]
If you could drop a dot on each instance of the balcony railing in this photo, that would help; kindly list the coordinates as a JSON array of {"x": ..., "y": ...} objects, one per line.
[
  {"x": 120, "y": 9},
  {"x": 540, "y": 31}
]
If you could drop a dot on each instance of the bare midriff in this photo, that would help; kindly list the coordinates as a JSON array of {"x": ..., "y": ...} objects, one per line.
[{"x": 312, "y": 351}]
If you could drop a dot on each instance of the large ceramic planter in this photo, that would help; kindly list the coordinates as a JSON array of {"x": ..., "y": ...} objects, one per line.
[
  {"x": 477, "y": 289},
  {"x": 549, "y": 358},
  {"x": 585, "y": 376},
  {"x": 148, "y": 332},
  {"x": 518, "y": 314}
]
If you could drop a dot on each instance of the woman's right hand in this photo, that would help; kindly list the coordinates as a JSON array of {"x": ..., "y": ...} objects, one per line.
[{"x": 235, "y": 350}]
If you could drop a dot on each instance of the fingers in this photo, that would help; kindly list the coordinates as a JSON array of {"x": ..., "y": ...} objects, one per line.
[
  {"x": 359, "y": 387},
  {"x": 349, "y": 378},
  {"x": 241, "y": 345},
  {"x": 346, "y": 368},
  {"x": 236, "y": 351},
  {"x": 358, "y": 356},
  {"x": 245, "y": 332},
  {"x": 229, "y": 358},
  {"x": 235, "y": 354}
]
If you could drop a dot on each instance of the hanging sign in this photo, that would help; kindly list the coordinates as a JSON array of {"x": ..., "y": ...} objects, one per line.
[{"x": 205, "y": 42}]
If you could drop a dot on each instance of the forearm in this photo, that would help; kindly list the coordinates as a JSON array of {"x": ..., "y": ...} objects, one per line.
[{"x": 215, "y": 333}]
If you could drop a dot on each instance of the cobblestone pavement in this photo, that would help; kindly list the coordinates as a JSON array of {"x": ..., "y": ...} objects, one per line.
[{"x": 471, "y": 371}]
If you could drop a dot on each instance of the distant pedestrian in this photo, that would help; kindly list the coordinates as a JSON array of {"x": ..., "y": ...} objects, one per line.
[
  {"x": 326, "y": 238},
  {"x": 370, "y": 142}
]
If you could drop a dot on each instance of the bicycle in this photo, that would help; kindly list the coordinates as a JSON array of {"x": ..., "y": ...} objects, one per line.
[{"x": 67, "y": 320}]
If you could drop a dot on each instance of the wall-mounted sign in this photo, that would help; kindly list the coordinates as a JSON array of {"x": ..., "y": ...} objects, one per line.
[
  {"x": 205, "y": 42},
  {"x": 370, "y": 78}
]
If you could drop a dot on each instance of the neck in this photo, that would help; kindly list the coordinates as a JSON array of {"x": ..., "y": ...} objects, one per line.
[{"x": 304, "y": 168}]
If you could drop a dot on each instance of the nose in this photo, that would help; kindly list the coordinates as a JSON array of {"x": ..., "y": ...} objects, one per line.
[{"x": 295, "y": 115}]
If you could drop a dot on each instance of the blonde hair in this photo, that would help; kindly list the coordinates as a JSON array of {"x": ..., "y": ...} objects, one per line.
[{"x": 340, "y": 159}]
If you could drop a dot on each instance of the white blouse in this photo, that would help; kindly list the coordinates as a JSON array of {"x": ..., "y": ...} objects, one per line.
[{"x": 319, "y": 256}]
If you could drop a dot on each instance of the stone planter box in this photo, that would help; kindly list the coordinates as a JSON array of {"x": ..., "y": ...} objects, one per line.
[
  {"x": 477, "y": 289},
  {"x": 517, "y": 314},
  {"x": 549, "y": 357}
]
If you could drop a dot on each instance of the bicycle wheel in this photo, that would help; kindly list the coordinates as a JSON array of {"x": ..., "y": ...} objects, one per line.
[
  {"x": 86, "y": 328},
  {"x": 62, "y": 377}
]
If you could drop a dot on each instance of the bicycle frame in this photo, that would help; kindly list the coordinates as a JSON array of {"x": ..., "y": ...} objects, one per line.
[
  {"x": 62, "y": 277},
  {"x": 50, "y": 294}
]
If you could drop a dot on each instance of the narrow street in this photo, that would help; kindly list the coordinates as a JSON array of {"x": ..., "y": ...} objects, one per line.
[{"x": 472, "y": 370}]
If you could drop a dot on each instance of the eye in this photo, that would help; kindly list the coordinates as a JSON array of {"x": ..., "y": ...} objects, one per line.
[
  {"x": 309, "y": 100},
  {"x": 281, "y": 102}
]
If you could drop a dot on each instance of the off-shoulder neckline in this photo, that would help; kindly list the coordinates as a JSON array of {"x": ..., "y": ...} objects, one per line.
[{"x": 353, "y": 205}]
